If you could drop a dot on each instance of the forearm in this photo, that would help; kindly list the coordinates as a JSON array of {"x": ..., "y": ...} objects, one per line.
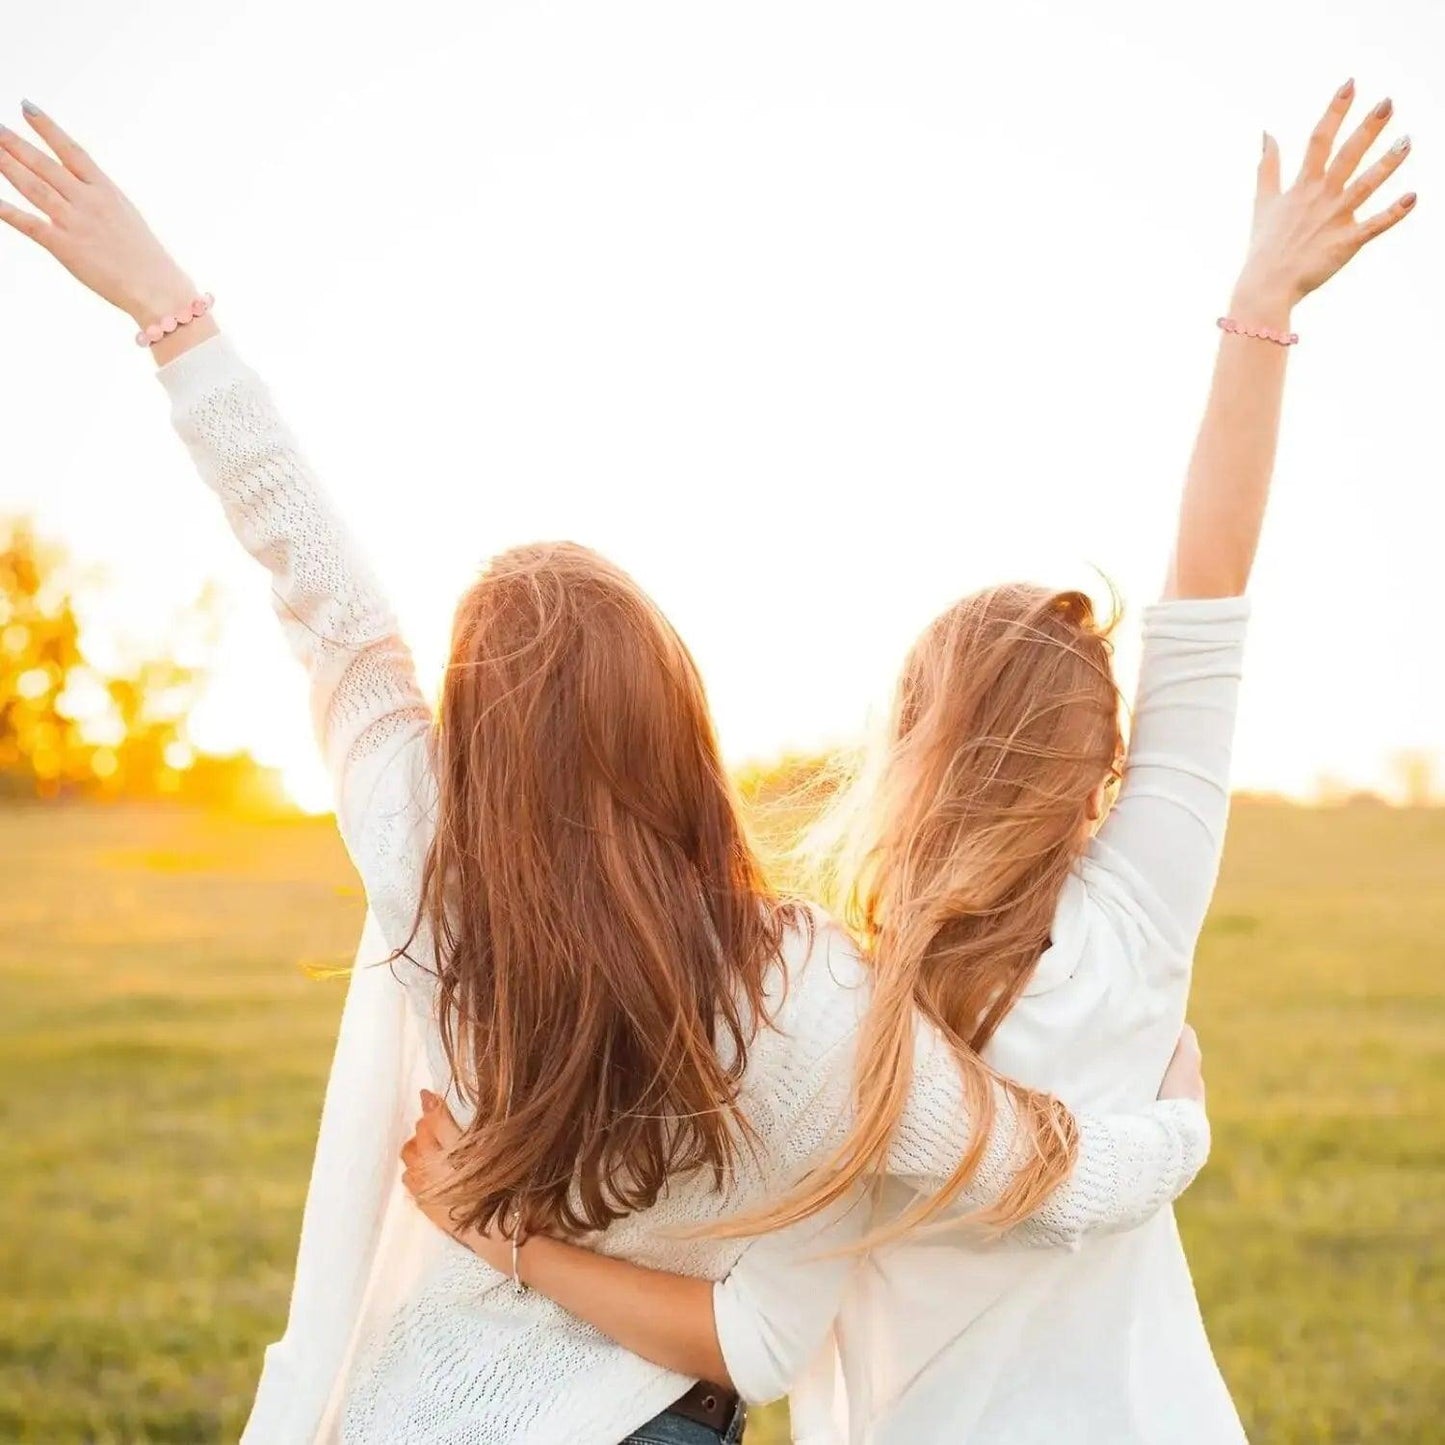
[
  {"x": 370, "y": 716},
  {"x": 184, "y": 338},
  {"x": 331, "y": 607},
  {"x": 1222, "y": 511},
  {"x": 1301, "y": 236},
  {"x": 665, "y": 1318},
  {"x": 1127, "y": 1165},
  {"x": 1128, "y": 1168}
]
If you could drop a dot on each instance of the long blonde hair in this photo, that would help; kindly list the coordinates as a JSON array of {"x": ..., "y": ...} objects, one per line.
[
  {"x": 946, "y": 856},
  {"x": 600, "y": 923}
]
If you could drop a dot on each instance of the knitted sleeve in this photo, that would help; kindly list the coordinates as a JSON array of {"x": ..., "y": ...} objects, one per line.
[
  {"x": 370, "y": 716},
  {"x": 1129, "y": 1165},
  {"x": 774, "y": 1308}
]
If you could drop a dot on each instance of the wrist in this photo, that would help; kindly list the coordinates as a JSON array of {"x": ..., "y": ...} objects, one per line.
[
  {"x": 183, "y": 339},
  {"x": 1262, "y": 300},
  {"x": 492, "y": 1248},
  {"x": 161, "y": 295}
]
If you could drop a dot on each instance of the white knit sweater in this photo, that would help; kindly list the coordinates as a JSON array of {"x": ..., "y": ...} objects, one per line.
[
  {"x": 456, "y": 1355},
  {"x": 945, "y": 1340}
]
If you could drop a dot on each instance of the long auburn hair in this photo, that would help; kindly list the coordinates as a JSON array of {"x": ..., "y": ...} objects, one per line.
[
  {"x": 600, "y": 924},
  {"x": 946, "y": 855}
]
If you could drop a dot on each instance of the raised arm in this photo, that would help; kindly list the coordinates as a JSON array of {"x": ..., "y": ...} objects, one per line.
[
  {"x": 1301, "y": 237},
  {"x": 1164, "y": 837},
  {"x": 370, "y": 716},
  {"x": 1166, "y": 832},
  {"x": 371, "y": 719}
]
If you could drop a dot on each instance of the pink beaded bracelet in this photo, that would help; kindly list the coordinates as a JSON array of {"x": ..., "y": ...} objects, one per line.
[
  {"x": 1260, "y": 333},
  {"x": 149, "y": 335}
]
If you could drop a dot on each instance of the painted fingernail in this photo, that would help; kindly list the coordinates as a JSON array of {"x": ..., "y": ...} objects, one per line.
[
  {"x": 1346, "y": 90},
  {"x": 29, "y": 107},
  {"x": 1382, "y": 111},
  {"x": 1401, "y": 145},
  {"x": 1408, "y": 199}
]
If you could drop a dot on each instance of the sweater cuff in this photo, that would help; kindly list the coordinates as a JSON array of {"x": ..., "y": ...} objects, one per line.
[
  {"x": 756, "y": 1375},
  {"x": 1190, "y": 1120},
  {"x": 1207, "y": 618},
  {"x": 202, "y": 370}
]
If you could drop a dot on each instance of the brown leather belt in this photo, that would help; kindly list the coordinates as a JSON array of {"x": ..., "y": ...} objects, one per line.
[{"x": 709, "y": 1405}]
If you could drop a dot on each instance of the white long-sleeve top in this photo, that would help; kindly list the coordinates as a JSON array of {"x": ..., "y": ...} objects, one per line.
[
  {"x": 396, "y": 1332},
  {"x": 943, "y": 1339}
]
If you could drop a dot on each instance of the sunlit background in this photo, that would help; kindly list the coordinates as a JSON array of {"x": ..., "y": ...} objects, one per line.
[{"x": 811, "y": 314}]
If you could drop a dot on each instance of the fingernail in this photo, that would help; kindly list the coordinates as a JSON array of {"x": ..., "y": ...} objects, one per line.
[
  {"x": 1408, "y": 199},
  {"x": 1382, "y": 111},
  {"x": 29, "y": 107},
  {"x": 1403, "y": 144},
  {"x": 1346, "y": 90}
]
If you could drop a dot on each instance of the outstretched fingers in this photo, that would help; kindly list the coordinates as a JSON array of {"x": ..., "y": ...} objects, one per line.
[
  {"x": 72, "y": 156},
  {"x": 1322, "y": 138},
  {"x": 1268, "y": 179},
  {"x": 1357, "y": 194},
  {"x": 1382, "y": 221},
  {"x": 26, "y": 222},
  {"x": 19, "y": 165},
  {"x": 50, "y": 170},
  {"x": 1347, "y": 162}
]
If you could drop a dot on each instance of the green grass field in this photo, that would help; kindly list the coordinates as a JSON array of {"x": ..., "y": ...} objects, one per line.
[{"x": 164, "y": 1054}]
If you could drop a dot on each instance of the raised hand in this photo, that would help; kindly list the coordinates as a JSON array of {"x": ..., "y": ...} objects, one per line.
[
  {"x": 85, "y": 221},
  {"x": 1303, "y": 235}
]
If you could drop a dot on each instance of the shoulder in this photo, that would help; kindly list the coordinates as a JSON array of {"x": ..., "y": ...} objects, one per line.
[
  {"x": 1124, "y": 907},
  {"x": 1109, "y": 957},
  {"x": 819, "y": 988},
  {"x": 818, "y": 954}
]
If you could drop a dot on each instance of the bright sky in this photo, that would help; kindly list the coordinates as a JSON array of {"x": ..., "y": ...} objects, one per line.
[{"x": 813, "y": 315}]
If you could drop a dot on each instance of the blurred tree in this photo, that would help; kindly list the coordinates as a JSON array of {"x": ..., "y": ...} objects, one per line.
[
  {"x": 1414, "y": 770},
  {"x": 64, "y": 725}
]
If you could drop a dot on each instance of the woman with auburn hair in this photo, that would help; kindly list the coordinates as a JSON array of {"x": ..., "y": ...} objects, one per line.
[
  {"x": 971, "y": 862},
  {"x": 638, "y": 1038}
]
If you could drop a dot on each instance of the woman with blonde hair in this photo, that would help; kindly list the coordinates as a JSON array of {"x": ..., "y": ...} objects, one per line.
[
  {"x": 975, "y": 871},
  {"x": 639, "y": 1038}
]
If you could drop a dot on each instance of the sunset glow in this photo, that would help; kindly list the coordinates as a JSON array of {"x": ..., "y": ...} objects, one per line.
[{"x": 810, "y": 315}]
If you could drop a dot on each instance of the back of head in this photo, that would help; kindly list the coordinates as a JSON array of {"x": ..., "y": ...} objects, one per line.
[
  {"x": 598, "y": 916},
  {"x": 947, "y": 855},
  {"x": 1004, "y": 725}
]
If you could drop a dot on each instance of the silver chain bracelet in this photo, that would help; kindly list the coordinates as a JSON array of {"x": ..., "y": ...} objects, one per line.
[{"x": 516, "y": 1265}]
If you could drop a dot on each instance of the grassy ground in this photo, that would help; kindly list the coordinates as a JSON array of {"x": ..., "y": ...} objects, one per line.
[{"x": 162, "y": 1056}]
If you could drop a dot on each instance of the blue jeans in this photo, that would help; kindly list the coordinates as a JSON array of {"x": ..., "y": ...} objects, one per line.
[{"x": 671, "y": 1429}]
